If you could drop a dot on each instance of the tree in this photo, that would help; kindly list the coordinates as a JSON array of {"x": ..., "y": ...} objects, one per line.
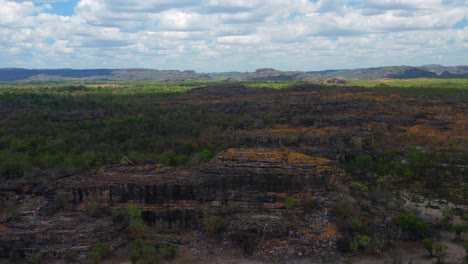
[
  {"x": 427, "y": 244},
  {"x": 441, "y": 252},
  {"x": 410, "y": 222},
  {"x": 136, "y": 227},
  {"x": 100, "y": 251},
  {"x": 215, "y": 225}
]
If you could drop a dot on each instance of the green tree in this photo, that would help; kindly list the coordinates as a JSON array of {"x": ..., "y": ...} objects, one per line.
[
  {"x": 427, "y": 244},
  {"x": 410, "y": 222},
  {"x": 361, "y": 167},
  {"x": 100, "y": 251},
  {"x": 441, "y": 252},
  {"x": 417, "y": 161},
  {"x": 136, "y": 227}
]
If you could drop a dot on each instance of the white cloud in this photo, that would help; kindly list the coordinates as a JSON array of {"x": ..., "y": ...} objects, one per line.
[
  {"x": 238, "y": 40},
  {"x": 216, "y": 35},
  {"x": 62, "y": 46}
]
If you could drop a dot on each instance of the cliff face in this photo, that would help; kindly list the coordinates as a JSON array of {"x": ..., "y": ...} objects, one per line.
[
  {"x": 256, "y": 178},
  {"x": 250, "y": 185}
]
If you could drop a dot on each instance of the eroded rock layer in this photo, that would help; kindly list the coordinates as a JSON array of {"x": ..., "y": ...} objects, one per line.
[
  {"x": 258, "y": 178},
  {"x": 251, "y": 185}
]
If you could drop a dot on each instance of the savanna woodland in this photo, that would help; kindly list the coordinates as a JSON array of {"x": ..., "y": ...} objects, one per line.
[{"x": 205, "y": 171}]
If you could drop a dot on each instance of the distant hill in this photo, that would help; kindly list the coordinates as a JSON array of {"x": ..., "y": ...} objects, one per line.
[
  {"x": 265, "y": 74},
  {"x": 16, "y": 74},
  {"x": 398, "y": 72}
]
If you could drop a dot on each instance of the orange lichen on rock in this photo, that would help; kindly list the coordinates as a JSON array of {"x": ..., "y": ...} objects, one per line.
[
  {"x": 295, "y": 158},
  {"x": 259, "y": 154},
  {"x": 330, "y": 231},
  {"x": 281, "y": 156}
]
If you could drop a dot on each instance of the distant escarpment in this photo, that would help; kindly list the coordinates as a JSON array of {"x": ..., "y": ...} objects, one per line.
[
  {"x": 263, "y": 74},
  {"x": 16, "y": 74}
]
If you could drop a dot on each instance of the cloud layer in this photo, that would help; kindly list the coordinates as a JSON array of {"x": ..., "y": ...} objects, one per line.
[{"x": 225, "y": 35}]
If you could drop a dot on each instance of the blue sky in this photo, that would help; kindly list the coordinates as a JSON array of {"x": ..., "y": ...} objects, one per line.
[
  {"x": 64, "y": 8},
  {"x": 232, "y": 35}
]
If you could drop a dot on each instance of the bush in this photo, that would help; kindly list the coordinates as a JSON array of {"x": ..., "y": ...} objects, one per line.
[
  {"x": 360, "y": 242},
  {"x": 64, "y": 200},
  {"x": 427, "y": 244},
  {"x": 134, "y": 212},
  {"x": 447, "y": 219},
  {"x": 289, "y": 203},
  {"x": 360, "y": 188},
  {"x": 459, "y": 230},
  {"x": 348, "y": 216},
  {"x": 100, "y": 251},
  {"x": 170, "y": 251},
  {"x": 247, "y": 242},
  {"x": 70, "y": 256},
  {"x": 120, "y": 216},
  {"x": 360, "y": 167},
  {"x": 136, "y": 228},
  {"x": 37, "y": 259},
  {"x": 141, "y": 250},
  {"x": 411, "y": 223},
  {"x": 215, "y": 225},
  {"x": 465, "y": 216},
  {"x": 134, "y": 256},
  {"x": 441, "y": 252},
  {"x": 93, "y": 207}
]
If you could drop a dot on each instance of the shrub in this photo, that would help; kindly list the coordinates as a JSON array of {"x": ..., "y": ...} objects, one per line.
[
  {"x": 37, "y": 259},
  {"x": 93, "y": 207},
  {"x": 348, "y": 216},
  {"x": 100, "y": 251},
  {"x": 360, "y": 167},
  {"x": 141, "y": 250},
  {"x": 120, "y": 216},
  {"x": 427, "y": 244},
  {"x": 465, "y": 216},
  {"x": 459, "y": 230},
  {"x": 70, "y": 256},
  {"x": 360, "y": 188},
  {"x": 289, "y": 203},
  {"x": 64, "y": 200},
  {"x": 309, "y": 204},
  {"x": 410, "y": 222},
  {"x": 170, "y": 251},
  {"x": 360, "y": 242},
  {"x": 215, "y": 225},
  {"x": 441, "y": 252},
  {"x": 134, "y": 256},
  {"x": 447, "y": 218},
  {"x": 136, "y": 228},
  {"x": 134, "y": 212}
]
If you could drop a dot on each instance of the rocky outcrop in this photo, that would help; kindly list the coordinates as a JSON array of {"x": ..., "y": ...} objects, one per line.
[
  {"x": 256, "y": 178},
  {"x": 335, "y": 80},
  {"x": 250, "y": 185}
]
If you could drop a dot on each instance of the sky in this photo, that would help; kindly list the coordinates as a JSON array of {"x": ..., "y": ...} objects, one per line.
[{"x": 232, "y": 35}]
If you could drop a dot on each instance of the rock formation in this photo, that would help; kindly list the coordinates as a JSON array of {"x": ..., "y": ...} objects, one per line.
[{"x": 253, "y": 183}]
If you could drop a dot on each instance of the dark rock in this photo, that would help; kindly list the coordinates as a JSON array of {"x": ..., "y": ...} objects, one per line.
[{"x": 48, "y": 209}]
